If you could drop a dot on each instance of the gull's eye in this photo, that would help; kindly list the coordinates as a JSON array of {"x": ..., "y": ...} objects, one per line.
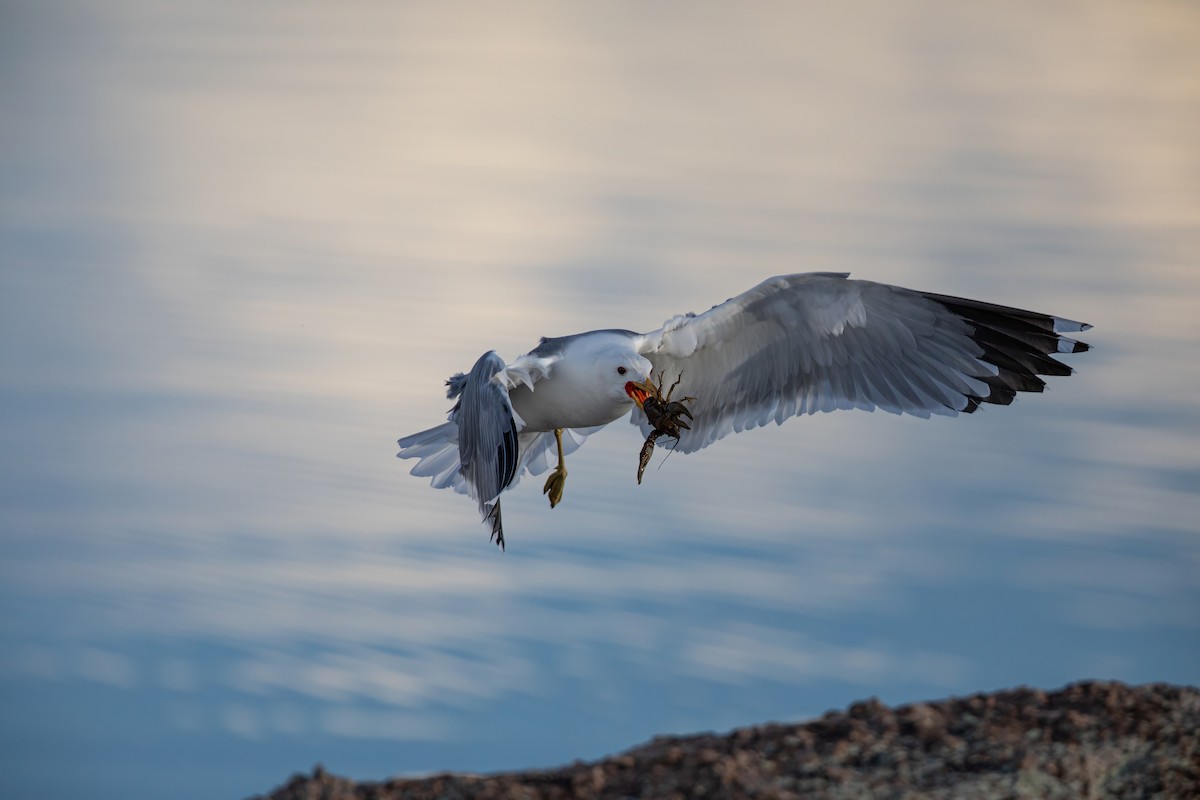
[{"x": 621, "y": 370}]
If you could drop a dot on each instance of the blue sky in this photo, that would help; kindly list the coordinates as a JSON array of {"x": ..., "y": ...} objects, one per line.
[{"x": 241, "y": 248}]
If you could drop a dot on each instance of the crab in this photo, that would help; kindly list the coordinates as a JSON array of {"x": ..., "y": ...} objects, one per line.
[{"x": 664, "y": 414}]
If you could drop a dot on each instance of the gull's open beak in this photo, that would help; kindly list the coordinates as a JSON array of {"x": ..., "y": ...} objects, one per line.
[{"x": 639, "y": 391}]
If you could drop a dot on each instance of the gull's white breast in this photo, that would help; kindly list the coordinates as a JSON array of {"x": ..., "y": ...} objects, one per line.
[{"x": 579, "y": 392}]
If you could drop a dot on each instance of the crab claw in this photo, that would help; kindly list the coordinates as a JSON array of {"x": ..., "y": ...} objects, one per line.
[{"x": 640, "y": 390}]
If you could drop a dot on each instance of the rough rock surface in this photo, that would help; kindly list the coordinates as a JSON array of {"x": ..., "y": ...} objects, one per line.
[{"x": 1089, "y": 740}]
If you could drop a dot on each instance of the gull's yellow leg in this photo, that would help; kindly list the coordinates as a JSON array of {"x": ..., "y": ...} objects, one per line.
[{"x": 554, "y": 484}]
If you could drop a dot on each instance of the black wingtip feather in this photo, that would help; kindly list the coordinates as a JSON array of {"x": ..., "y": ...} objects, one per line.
[
  {"x": 1020, "y": 344},
  {"x": 507, "y": 456},
  {"x": 497, "y": 526}
]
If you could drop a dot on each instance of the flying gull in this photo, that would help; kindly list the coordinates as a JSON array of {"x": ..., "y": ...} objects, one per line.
[{"x": 794, "y": 344}]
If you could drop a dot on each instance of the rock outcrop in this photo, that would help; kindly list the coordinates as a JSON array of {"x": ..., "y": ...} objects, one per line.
[{"x": 1088, "y": 740}]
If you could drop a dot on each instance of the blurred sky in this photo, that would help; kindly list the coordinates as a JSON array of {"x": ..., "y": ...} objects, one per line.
[{"x": 242, "y": 245}]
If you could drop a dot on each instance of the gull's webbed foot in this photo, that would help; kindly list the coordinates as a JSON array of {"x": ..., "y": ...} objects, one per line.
[
  {"x": 554, "y": 485},
  {"x": 558, "y": 479}
]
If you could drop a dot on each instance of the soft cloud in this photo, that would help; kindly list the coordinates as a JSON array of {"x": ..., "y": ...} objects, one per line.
[
  {"x": 382, "y": 724},
  {"x": 105, "y": 666},
  {"x": 743, "y": 652}
]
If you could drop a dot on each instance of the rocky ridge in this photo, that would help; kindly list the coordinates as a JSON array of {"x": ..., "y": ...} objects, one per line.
[{"x": 1088, "y": 740}]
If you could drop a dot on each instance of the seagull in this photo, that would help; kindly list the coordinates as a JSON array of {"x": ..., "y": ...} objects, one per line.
[{"x": 793, "y": 344}]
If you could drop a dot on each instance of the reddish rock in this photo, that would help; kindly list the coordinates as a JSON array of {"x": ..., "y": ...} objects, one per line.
[{"x": 1087, "y": 740}]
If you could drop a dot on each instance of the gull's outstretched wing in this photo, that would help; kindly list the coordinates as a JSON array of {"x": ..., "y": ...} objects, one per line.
[{"x": 798, "y": 344}]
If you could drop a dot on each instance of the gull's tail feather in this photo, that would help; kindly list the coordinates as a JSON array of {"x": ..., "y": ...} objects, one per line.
[{"x": 437, "y": 452}]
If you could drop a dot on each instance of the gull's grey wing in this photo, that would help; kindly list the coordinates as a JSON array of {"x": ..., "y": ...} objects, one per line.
[
  {"x": 799, "y": 344},
  {"x": 482, "y": 450},
  {"x": 488, "y": 449},
  {"x": 478, "y": 450}
]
